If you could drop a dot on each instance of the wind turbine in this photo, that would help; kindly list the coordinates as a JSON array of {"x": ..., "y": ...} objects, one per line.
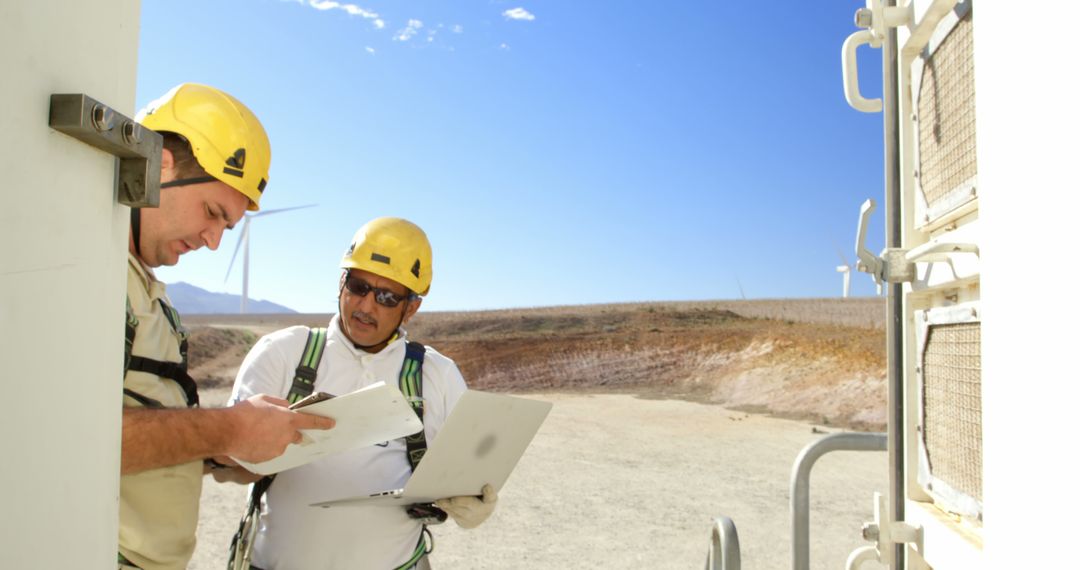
[
  {"x": 245, "y": 240},
  {"x": 844, "y": 269}
]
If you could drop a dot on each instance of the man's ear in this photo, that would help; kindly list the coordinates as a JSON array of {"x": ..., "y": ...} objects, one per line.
[
  {"x": 410, "y": 310},
  {"x": 168, "y": 164}
]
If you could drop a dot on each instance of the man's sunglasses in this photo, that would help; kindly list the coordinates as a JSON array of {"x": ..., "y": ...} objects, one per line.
[{"x": 384, "y": 297}]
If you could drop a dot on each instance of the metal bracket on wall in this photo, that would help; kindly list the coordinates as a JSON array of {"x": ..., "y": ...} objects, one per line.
[{"x": 137, "y": 148}]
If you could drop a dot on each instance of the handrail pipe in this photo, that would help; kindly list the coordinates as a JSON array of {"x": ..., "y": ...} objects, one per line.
[{"x": 800, "y": 484}]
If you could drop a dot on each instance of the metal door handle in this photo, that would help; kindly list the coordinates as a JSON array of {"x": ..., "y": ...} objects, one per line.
[{"x": 876, "y": 18}]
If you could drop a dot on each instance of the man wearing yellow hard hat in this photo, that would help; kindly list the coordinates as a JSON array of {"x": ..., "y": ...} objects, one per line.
[
  {"x": 214, "y": 167},
  {"x": 387, "y": 270}
]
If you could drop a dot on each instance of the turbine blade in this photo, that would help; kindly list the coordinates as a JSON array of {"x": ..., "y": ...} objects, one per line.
[
  {"x": 279, "y": 210},
  {"x": 239, "y": 243},
  {"x": 843, "y": 259}
]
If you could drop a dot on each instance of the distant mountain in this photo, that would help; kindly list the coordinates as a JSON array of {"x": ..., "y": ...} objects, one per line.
[{"x": 192, "y": 300}]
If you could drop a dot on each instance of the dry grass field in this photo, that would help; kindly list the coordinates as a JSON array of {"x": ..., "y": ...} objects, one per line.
[{"x": 636, "y": 458}]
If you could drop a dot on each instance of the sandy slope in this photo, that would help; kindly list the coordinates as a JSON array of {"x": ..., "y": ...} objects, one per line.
[
  {"x": 622, "y": 482},
  {"x": 801, "y": 359}
]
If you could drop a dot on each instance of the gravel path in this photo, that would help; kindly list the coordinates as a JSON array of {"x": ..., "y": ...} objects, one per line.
[{"x": 621, "y": 482}]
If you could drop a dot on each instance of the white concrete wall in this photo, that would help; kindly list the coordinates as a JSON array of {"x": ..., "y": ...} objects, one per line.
[
  {"x": 63, "y": 242},
  {"x": 1028, "y": 121}
]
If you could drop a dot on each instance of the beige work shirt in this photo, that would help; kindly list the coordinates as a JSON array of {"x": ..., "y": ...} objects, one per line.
[{"x": 159, "y": 508}]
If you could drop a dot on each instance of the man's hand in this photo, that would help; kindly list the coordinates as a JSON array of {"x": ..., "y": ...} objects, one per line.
[
  {"x": 235, "y": 474},
  {"x": 263, "y": 426},
  {"x": 469, "y": 512},
  {"x": 255, "y": 430}
]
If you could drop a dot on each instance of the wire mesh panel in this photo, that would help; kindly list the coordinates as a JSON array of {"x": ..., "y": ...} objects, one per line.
[
  {"x": 952, "y": 406},
  {"x": 946, "y": 117}
]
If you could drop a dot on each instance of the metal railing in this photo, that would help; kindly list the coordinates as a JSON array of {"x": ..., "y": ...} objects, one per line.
[
  {"x": 724, "y": 546},
  {"x": 800, "y": 485}
]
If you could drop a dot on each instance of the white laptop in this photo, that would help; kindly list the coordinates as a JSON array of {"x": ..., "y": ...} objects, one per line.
[{"x": 480, "y": 443}]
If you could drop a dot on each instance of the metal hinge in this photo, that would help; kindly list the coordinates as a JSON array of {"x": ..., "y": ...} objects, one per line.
[
  {"x": 885, "y": 533},
  {"x": 139, "y": 149}
]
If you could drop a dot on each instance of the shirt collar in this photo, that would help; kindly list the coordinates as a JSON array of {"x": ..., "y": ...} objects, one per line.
[{"x": 154, "y": 288}]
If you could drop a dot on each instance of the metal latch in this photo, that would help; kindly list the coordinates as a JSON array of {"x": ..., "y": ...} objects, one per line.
[
  {"x": 885, "y": 533},
  {"x": 891, "y": 267},
  {"x": 137, "y": 148},
  {"x": 897, "y": 265}
]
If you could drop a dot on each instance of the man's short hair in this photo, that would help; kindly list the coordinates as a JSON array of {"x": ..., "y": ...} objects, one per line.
[{"x": 183, "y": 157}]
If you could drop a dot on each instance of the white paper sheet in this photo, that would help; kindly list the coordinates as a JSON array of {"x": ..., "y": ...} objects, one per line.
[{"x": 371, "y": 415}]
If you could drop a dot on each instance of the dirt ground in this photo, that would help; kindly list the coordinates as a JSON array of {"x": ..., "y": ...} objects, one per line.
[
  {"x": 616, "y": 481},
  {"x": 666, "y": 415}
]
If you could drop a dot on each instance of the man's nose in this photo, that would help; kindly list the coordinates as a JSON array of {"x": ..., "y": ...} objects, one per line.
[{"x": 212, "y": 237}]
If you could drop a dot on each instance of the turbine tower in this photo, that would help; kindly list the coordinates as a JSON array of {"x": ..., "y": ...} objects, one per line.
[
  {"x": 845, "y": 270},
  {"x": 245, "y": 240}
]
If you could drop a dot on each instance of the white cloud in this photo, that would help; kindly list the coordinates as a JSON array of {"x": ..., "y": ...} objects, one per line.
[
  {"x": 355, "y": 10},
  {"x": 350, "y": 9},
  {"x": 518, "y": 14},
  {"x": 504, "y": 46},
  {"x": 457, "y": 29},
  {"x": 369, "y": 49},
  {"x": 405, "y": 34}
]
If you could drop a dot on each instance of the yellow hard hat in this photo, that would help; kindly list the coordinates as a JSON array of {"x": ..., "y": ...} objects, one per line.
[
  {"x": 393, "y": 248},
  {"x": 227, "y": 139}
]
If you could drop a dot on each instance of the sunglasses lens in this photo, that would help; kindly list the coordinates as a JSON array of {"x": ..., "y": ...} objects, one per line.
[
  {"x": 357, "y": 287},
  {"x": 361, "y": 288},
  {"x": 386, "y": 298}
]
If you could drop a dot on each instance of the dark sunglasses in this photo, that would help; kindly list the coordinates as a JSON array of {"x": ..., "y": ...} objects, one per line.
[{"x": 384, "y": 297}]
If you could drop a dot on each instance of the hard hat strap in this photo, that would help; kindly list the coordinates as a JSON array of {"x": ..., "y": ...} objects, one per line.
[
  {"x": 136, "y": 229},
  {"x": 188, "y": 181}
]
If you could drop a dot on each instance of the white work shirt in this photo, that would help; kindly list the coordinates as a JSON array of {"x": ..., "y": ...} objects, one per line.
[{"x": 295, "y": 536}]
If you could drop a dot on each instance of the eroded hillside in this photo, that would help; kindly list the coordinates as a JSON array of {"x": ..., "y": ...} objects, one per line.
[{"x": 795, "y": 364}]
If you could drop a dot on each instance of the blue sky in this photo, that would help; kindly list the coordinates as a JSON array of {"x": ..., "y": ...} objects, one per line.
[{"x": 556, "y": 152}]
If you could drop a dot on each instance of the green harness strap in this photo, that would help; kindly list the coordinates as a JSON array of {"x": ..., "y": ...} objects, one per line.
[
  {"x": 130, "y": 327},
  {"x": 303, "y": 383},
  {"x": 422, "y": 550},
  {"x": 411, "y": 384},
  {"x": 175, "y": 371}
]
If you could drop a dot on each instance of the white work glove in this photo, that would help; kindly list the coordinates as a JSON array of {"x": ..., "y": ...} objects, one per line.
[{"x": 467, "y": 511}]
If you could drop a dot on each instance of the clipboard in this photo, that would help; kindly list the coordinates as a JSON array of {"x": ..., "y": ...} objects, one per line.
[{"x": 370, "y": 415}]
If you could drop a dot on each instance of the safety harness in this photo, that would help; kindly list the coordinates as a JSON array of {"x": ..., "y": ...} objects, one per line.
[
  {"x": 175, "y": 371},
  {"x": 410, "y": 382}
]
